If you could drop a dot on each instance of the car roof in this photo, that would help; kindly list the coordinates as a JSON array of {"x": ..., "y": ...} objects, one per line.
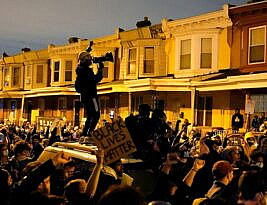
[{"x": 76, "y": 150}]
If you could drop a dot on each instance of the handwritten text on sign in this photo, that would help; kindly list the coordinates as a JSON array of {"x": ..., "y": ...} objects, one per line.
[{"x": 115, "y": 140}]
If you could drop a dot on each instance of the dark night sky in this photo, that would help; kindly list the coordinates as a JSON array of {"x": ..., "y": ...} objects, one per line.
[{"x": 36, "y": 23}]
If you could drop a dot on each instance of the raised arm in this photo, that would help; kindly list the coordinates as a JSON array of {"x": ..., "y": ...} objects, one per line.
[
  {"x": 99, "y": 74},
  {"x": 36, "y": 176},
  {"x": 94, "y": 177},
  {"x": 198, "y": 164}
]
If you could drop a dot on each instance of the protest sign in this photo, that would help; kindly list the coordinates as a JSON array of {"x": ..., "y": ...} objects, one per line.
[
  {"x": 115, "y": 139},
  {"x": 249, "y": 105},
  {"x": 43, "y": 122}
]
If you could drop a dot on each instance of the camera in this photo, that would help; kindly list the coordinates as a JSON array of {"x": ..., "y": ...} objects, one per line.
[{"x": 106, "y": 57}]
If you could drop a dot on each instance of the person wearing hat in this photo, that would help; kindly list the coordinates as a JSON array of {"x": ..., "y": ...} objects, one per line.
[
  {"x": 85, "y": 84},
  {"x": 222, "y": 172}
]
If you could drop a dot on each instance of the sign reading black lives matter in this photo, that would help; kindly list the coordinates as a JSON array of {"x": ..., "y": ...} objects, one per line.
[{"x": 115, "y": 139}]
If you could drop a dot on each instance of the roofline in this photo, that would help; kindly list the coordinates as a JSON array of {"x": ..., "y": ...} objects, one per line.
[{"x": 247, "y": 4}]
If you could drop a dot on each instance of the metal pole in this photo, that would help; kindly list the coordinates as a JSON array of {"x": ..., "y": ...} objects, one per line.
[
  {"x": 21, "y": 110},
  {"x": 130, "y": 102},
  {"x": 193, "y": 97}
]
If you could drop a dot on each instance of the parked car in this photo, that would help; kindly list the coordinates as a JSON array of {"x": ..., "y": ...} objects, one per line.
[{"x": 85, "y": 159}]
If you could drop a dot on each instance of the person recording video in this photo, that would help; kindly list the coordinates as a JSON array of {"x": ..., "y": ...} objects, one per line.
[{"x": 85, "y": 84}]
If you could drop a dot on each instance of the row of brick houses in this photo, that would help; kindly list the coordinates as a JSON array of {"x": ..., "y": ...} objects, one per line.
[{"x": 205, "y": 66}]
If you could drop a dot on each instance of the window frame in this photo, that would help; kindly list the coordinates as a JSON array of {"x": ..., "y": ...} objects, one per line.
[
  {"x": 39, "y": 80},
  {"x": 136, "y": 101},
  {"x": 67, "y": 71},
  {"x": 131, "y": 60},
  {"x": 249, "y": 46},
  {"x": 6, "y": 76},
  {"x": 41, "y": 105},
  {"x": 145, "y": 59},
  {"x": 204, "y": 110},
  {"x": 56, "y": 72},
  {"x": 190, "y": 66},
  {"x": 64, "y": 103},
  {"x": 105, "y": 69},
  {"x": 28, "y": 76},
  {"x": 17, "y": 68},
  {"x": 200, "y": 59}
]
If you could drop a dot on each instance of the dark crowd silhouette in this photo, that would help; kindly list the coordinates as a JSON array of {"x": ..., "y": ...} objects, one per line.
[{"x": 189, "y": 167}]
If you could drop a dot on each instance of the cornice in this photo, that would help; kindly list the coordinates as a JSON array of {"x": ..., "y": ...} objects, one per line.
[
  {"x": 248, "y": 9},
  {"x": 234, "y": 82},
  {"x": 73, "y": 48},
  {"x": 213, "y": 20},
  {"x": 156, "y": 84},
  {"x": 106, "y": 39}
]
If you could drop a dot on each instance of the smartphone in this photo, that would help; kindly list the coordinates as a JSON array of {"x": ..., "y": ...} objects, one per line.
[
  {"x": 2, "y": 138},
  {"x": 186, "y": 154}
]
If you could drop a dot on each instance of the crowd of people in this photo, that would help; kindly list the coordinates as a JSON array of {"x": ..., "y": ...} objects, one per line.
[{"x": 189, "y": 167}]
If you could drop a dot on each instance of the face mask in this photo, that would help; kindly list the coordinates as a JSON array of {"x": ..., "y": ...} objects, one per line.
[{"x": 260, "y": 164}]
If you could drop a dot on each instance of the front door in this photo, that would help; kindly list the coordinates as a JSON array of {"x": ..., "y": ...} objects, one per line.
[
  {"x": 204, "y": 111},
  {"x": 77, "y": 107}
]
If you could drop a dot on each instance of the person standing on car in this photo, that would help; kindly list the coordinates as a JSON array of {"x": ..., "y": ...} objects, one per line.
[{"x": 85, "y": 84}]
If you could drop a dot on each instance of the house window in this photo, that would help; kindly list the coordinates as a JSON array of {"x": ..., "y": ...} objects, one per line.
[
  {"x": 204, "y": 111},
  {"x": 62, "y": 106},
  {"x": 260, "y": 103},
  {"x": 68, "y": 71},
  {"x": 56, "y": 71},
  {"x": 159, "y": 104},
  {"x": 136, "y": 101},
  {"x": 15, "y": 76},
  {"x": 102, "y": 106},
  {"x": 6, "y": 77},
  {"x": 257, "y": 44},
  {"x": 28, "y": 74},
  {"x": 105, "y": 70},
  {"x": 206, "y": 53},
  {"x": 185, "y": 57},
  {"x": 132, "y": 61},
  {"x": 13, "y": 105},
  {"x": 40, "y": 74},
  {"x": 62, "y": 103},
  {"x": 41, "y": 104},
  {"x": 149, "y": 60}
]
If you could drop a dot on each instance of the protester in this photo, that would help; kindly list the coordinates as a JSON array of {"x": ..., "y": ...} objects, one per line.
[
  {"x": 140, "y": 129},
  {"x": 35, "y": 186},
  {"x": 78, "y": 191},
  {"x": 251, "y": 188},
  {"x": 37, "y": 148},
  {"x": 223, "y": 175},
  {"x": 184, "y": 172},
  {"x": 5, "y": 186},
  {"x": 20, "y": 159},
  {"x": 237, "y": 120},
  {"x": 85, "y": 84},
  {"x": 122, "y": 195}
]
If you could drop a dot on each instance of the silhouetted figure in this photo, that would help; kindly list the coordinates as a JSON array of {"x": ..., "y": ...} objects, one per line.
[
  {"x": 86, "y": 85},
  {"x": 237, "y": 120},
  {"x": 143, "y": 23}
]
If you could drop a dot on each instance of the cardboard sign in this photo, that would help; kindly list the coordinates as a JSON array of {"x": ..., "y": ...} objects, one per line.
[
  {"x": 249, "y": 105},
  {"x": 115, "y": 139},
  {"x": 43, "y": 122}
]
